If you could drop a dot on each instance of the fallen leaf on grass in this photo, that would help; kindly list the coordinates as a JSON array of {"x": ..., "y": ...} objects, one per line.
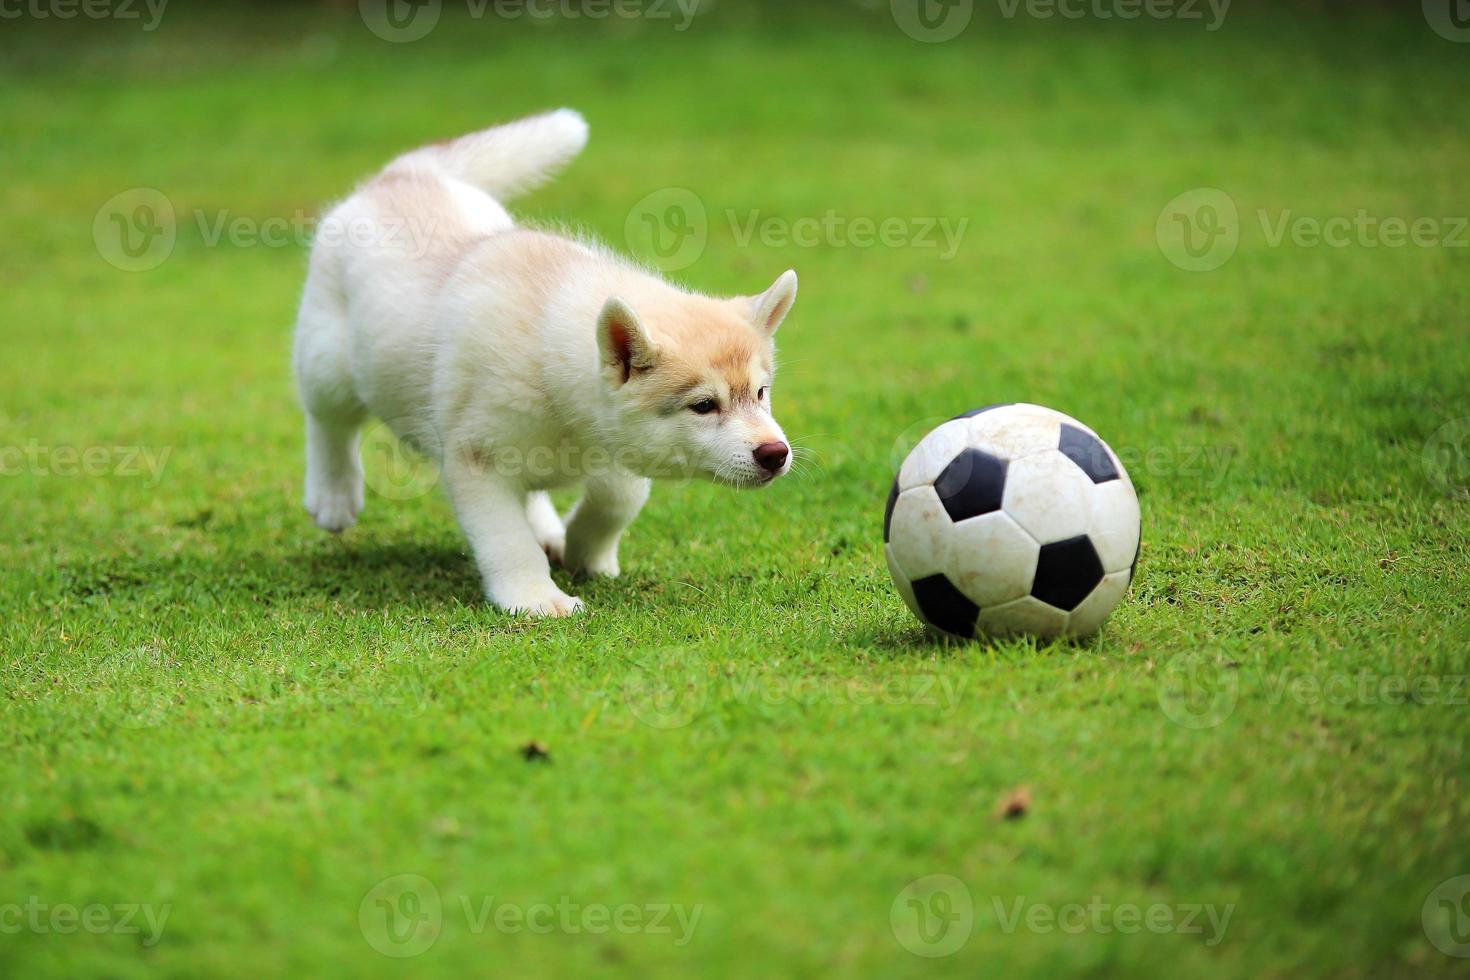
[{"x": 1013, "y": 805}]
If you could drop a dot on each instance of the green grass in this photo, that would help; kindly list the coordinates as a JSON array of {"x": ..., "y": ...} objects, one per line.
[{"x": 210, "y": 705}]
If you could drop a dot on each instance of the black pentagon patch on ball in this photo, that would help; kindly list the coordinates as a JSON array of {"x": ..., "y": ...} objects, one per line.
[
  {"x": 1067, "y": 572},
  {"x": 945, "y": 606},
  {"x": 1088, "y": 452},
  {"x": 888, "y": 508},
  {"x": 972, "y": 484},
  {"x": 981, "y": 411}
]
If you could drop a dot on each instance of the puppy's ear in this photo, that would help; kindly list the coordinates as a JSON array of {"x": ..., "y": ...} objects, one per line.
[
  {"x": 769, "y": 308},
  {"x": 626, "y": 347}
]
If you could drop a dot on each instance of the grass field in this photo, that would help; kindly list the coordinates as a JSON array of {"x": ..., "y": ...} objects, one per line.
[{"x": 227, "y": 735}]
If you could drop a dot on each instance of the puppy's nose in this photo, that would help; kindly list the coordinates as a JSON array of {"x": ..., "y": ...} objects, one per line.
[{"x": 771, "y": 456}]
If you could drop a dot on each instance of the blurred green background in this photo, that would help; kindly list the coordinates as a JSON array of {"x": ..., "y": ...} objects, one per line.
[{"x": 1184, "y": 230}]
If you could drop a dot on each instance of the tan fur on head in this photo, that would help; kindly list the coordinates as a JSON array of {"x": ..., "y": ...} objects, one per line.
[
  {"x": 724, "y": 345},
  {"x": 704, "y": 346}
]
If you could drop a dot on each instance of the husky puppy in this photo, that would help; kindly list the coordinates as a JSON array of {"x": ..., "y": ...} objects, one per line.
[{"x": 522, "y": 361}]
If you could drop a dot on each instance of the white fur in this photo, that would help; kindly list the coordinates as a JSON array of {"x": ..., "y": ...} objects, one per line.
[{"x": 521, "y": 361}]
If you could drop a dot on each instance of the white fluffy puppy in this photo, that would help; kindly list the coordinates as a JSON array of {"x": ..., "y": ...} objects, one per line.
[{"x": 521, "y": 361}]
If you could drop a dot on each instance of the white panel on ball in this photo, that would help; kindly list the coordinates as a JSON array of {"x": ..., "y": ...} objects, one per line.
[
  {"x": 919, "y": 533},
  {"x": 1114, "y": 524},
  {"x": 991, "y": 559},
  {"x": 1014, "y": 431},
  {"x": 1049, "y": 496},
  {"x": 1027, "y": 616}
]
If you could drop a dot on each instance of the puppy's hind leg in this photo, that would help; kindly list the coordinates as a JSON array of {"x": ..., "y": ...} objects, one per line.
[
  {"x": 334, "y": 495},
  {"x": 334, "y": 414}
]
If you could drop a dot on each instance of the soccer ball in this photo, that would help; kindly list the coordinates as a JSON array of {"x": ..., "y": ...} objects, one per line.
[{"x": 1012, "y": 519}]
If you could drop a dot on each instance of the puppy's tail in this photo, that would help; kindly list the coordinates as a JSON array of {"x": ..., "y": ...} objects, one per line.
[{"x": 506, "y": 161}]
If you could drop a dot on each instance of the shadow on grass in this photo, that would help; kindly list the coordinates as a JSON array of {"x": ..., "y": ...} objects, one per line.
[
  {"x": 362, "y": 573},
  {"x": 899, "y": 642},
  {"x": 909, "y": 641},
  {"x": 369, "y": 574},
  {"x": 388, "y": 574}
]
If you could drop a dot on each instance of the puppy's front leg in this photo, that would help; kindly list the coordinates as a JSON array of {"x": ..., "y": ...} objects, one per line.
[
  {"x": 607, "y": 507},
  {"x": 512, "y": 563}
]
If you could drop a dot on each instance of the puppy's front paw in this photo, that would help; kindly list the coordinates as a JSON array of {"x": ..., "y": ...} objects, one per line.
[
  {"x": 548, "y": 604},
  {"x": 606, "y": 567},
  {"x": 562, "y": 605},
  {"x": 602, "y": 565}
]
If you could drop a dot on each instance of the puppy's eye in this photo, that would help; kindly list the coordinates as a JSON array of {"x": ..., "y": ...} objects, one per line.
[
  {"x": 761, "y": 395},
  {"x": 704, "y": 407}
]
